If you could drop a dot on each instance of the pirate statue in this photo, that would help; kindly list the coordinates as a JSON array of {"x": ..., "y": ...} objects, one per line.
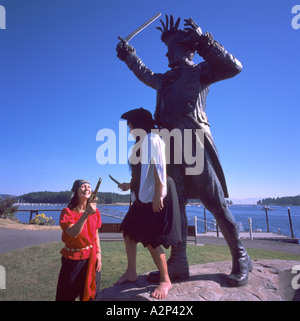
[{"x": 181, "y": 103}]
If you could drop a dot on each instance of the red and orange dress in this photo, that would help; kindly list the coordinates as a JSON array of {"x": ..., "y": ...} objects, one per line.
[{"x": 78, "y": 276}]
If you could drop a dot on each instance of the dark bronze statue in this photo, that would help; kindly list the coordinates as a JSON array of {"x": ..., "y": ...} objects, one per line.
[{"x": 181, "y": 103}]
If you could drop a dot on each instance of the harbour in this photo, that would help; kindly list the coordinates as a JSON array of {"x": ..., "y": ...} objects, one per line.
[{"x": 276, "y": 225}]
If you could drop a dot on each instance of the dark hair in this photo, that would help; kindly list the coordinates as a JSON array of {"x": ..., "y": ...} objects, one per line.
[
  {"x": 142, "y": 124},
  {"x": 73, "y": 201}
]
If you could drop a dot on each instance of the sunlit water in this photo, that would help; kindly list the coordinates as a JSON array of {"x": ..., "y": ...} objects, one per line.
[{"x": 278, "y": 216}]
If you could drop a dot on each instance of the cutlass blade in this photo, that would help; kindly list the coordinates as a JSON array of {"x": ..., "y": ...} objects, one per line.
[
  {"x": 114, "y": 180},
  {"x": 142, "y": 27}
]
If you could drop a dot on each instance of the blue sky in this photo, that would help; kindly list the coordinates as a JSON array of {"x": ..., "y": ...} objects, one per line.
[{"x": 61, "y": 82}]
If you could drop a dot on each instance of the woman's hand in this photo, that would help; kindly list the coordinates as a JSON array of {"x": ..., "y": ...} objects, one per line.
[
  {"x": 98, "y": 262},
  {"x": 91, "y": 207},
  {"x": 157, "y": 203},
  {"x": 124, "y": 186}
]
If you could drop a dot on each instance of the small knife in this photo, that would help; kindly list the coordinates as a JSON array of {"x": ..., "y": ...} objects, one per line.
[{"x": 114, "y": 180}]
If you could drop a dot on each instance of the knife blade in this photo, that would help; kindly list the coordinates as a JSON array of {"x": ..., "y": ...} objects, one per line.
[{"x": 114, "y": 180}]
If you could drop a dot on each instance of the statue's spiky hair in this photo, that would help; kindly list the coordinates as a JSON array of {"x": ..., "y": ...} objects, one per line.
[
  {"x": 166, "y": 26},
  {"x": 170, "y": 32}
]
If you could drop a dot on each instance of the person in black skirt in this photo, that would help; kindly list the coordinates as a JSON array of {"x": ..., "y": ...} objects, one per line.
[{"x": 154, "y": 217}]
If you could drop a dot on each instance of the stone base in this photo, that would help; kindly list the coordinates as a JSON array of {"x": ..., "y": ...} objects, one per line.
[{"x": 270, "y": 280}]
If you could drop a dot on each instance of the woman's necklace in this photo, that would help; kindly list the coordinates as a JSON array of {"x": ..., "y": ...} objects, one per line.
[{"x": 79, "y": 209}]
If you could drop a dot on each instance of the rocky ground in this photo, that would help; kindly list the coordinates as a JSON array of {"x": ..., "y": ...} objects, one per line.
[{"x": 270, "y": 280}]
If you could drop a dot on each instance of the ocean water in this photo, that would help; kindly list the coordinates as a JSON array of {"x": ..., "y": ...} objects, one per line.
[{"x": 278, "y": 216}]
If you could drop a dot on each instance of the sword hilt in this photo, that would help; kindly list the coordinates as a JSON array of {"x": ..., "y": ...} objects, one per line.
[{"x": 122, "y": 39}]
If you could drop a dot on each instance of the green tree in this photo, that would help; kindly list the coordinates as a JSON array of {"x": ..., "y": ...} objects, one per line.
[{"x": 7, "y": 208}]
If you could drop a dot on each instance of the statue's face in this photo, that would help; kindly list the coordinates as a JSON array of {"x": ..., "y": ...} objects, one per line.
[{"x": 176, "y": 55}]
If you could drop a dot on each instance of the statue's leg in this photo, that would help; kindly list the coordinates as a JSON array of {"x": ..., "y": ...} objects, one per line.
[
  {"x": 241, "y": 262},
  {"x": 213, "y": 199},
  {"x": 178, "y": 267}
]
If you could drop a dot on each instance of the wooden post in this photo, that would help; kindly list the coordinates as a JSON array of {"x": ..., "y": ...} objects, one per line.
[
  {"x": 268, "y": 228},
  {"x": 31, "y": 212},
  {"x": 290, "y": 219},
  {"x": 218, "y": 230},
  {"x": 205, "y": 225},
  {"x": 196, "y": 229},
  {"x": 250, "y": 228},
  {"x": 195, "y": 222}
]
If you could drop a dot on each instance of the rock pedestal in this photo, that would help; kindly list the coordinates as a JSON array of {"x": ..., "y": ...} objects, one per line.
[{"x": 270, "y": 280}]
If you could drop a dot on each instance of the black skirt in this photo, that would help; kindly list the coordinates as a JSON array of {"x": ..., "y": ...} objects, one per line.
[{"x": 143, "y": 225}]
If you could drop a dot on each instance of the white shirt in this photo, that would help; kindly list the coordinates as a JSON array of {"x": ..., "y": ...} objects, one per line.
[{"x": 153, "y": 156}]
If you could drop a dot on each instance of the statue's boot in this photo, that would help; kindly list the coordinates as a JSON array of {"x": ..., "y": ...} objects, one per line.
[
  {"x": 241, "y": 266},
  {"x": 241, "y": 262},
  {"x": 178, "y": 266}
]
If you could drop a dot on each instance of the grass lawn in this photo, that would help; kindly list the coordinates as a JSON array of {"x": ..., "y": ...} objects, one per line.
[{"x": 32, "y": 272}]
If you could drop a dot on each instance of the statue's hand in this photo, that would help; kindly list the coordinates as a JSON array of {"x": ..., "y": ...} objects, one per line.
[
  {"x": 195, "y": 32},
  {"x": 123, "y": 49}
]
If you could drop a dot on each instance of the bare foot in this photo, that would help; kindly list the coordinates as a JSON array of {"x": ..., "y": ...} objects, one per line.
[
  {"x": 162, "y": 290},
  {"x": 127, "y": 277}
]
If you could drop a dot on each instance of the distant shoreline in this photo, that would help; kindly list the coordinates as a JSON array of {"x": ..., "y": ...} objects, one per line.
[
  {"x": 127, "y": 204},
  {"x": 65, "y": 204},
  {"x": 115, "y": 204}
]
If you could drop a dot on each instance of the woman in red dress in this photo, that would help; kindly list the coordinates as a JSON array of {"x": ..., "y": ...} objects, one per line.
[{"x": 81, "y": 255}]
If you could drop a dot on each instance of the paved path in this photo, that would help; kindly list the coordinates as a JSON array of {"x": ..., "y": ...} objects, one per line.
[
  {"x": 14, "y": 239},
  {"x": 11, "y": 239}
]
